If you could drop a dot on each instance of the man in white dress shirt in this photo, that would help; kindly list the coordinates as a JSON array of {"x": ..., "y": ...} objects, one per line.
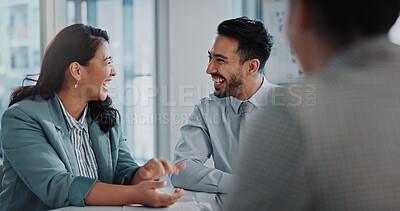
[{"x": 236, "y": 62}]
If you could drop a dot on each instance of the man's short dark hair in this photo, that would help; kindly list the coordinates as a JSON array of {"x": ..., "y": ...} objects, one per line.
[
  {"x": 342, "y": 19},
  {"x": 254, "y": 40}
]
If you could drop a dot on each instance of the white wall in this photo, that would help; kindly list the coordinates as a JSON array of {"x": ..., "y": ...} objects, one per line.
[{"x": 193, "y": 26}]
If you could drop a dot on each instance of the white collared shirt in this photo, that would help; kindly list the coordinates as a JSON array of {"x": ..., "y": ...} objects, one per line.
[
  {"x": 79, "y": 135},
  {"x": 213, "y": 129}
]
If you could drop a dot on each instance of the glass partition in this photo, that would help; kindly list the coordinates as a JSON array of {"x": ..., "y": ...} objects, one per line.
[
  {"x": 131, "y": 27},
  {"x": 20, "y": 45}
]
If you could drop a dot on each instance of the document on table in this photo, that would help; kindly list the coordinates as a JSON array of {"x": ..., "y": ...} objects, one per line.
[{"x": 186, "y": 203}]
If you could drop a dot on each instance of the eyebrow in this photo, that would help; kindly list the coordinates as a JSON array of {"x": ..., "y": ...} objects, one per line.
[
  {"x": 110, "y": 57},
  {"x": 218, "y": 55}
]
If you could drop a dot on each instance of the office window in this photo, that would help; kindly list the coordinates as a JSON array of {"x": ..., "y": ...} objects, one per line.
[
  {"x": 20, "y": 45},
  {"x": 131, "y": 28}
]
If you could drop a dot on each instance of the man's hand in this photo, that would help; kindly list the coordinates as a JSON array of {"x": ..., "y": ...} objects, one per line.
[{"x": 155, "y": 169}]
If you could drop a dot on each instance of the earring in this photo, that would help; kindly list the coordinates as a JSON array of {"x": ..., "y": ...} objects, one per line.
[{"x": 76, "y": 85}]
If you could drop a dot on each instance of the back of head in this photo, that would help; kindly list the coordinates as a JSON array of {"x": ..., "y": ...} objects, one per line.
[
  {"x": 254, "y": 40},
  {"x": 343, "y": 20}
]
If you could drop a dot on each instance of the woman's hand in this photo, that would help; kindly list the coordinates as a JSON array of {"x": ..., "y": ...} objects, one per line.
[
  {"x": 143, "y": 193},
  {"x": 155, "y": 169},
  {"x": 146, "y": 193}
]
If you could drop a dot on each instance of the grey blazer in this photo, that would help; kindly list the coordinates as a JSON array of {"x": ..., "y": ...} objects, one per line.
[
  {"x": 333, "y": 143},
  {"x": 39, "y": 161}
]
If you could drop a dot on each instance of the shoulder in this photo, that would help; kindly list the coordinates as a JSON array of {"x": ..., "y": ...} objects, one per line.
[
  {"x": 35, "y": 101},
  {"x": 268, "y": 85},
  {"x": 209, "y": 105},
  {"x": 30, "y": 106},
  {"x": 24, "y": 119},
  {"x": 270, "y": 89}
]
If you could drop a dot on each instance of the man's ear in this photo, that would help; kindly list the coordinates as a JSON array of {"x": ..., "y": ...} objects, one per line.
[
  {"x": 252, "y": 66},
  {"x": 75, "y": 70}
]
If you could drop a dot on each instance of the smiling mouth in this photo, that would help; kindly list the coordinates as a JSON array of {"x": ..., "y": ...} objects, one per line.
[
  {"x": 218, "y": 80},
  {"x": 106, "y": 84}
]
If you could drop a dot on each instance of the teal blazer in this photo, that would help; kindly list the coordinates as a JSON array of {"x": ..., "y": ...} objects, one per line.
[{"x": 39, "y": 161}]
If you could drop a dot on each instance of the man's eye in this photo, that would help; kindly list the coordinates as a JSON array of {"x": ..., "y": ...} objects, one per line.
[{"x": 220, "y": 60}]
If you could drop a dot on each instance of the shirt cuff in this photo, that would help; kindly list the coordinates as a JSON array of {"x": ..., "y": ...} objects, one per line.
[
  {"x": 225, "y": 183},
  {"x": 79, "y": 190}
]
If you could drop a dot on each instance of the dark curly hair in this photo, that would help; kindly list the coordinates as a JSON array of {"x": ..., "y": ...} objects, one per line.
[
  {"x": 75, "y": 43},
  {"x": 254, "y": 40}
]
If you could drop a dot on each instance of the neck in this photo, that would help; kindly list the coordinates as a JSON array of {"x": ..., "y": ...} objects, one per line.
[
  {"x": 317, "y": 55},
  {"x": 72, "y": 101},
  {"x": 252, "y": 87}
]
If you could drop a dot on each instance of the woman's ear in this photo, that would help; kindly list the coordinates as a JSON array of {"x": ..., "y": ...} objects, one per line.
[{"x": 75, "y": 70}]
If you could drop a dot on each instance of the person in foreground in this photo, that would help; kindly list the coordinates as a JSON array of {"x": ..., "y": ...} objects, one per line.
[
  {"x": 332, "y": 143},
  {"x": 62, "y": 140},
  {"x": 236, "y": 62}
]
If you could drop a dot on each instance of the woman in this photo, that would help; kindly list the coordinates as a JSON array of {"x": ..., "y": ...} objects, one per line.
[{"x": 62, "y": 140}]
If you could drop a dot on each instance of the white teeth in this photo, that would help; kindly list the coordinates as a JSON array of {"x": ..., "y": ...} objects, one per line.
[
  {"x": 218, "y": 81},
  {"x": 107, "y": 83}
]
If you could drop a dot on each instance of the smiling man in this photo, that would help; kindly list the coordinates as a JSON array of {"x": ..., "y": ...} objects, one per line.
[{"x": 236, "y": 61}]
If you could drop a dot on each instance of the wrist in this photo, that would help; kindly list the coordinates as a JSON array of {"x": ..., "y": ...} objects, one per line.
[
  {"x": 134, "y": 195},
  {"x": 137, "y": 178}
]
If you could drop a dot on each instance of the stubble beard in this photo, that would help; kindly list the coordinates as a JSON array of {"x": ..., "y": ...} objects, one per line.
[{"x": 235, "y": 88}]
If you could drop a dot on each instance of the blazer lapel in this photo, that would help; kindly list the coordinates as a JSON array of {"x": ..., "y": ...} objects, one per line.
[
  {"x": 64, "y": 147},
  {"x": 102, "y": 150}
]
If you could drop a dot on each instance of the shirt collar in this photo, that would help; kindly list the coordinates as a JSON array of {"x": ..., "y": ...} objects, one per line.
[
  {"x": 72, "y": 122},
  {"x": 258, "y": 98}
]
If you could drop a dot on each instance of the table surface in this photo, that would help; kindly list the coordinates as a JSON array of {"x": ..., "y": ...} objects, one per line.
[{"x": 191, "y": 201}]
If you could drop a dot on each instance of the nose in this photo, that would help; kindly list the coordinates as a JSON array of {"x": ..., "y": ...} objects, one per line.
[
  {"x": 113, "y": 72},
  {"x": 211, "y": 68}
]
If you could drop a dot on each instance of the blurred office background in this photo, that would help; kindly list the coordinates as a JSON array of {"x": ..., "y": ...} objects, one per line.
[{"x": 159, "y": 49}]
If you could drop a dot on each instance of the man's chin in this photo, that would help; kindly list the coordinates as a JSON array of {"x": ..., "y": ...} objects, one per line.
[{"x": 220, "y": 94}]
